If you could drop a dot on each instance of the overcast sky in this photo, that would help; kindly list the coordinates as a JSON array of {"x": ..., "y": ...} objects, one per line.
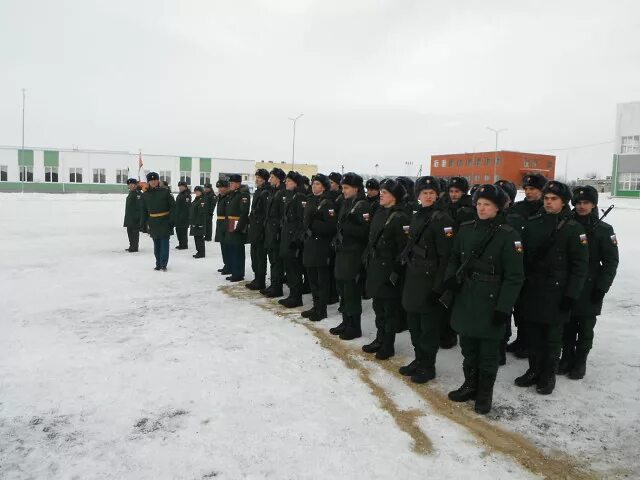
[{"x": 384, "y": 82}]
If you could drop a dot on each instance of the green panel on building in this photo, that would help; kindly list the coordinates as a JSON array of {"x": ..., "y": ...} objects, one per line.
[
  {"x": 205, "y": 165},
  {"x": 25, "y": 158},
  {"x": 51, "y": 158},
  {"x": 185, "y": 164}
]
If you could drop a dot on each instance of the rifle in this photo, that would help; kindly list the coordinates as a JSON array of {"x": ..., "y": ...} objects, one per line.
[
  {"x": 372, "y": 245},
  {"x": 597, "y": 222},
  {"x": 446, "y": 299}
]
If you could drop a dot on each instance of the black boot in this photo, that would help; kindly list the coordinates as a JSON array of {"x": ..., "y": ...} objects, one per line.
[
  {"x": 517, "y": 344},
  {"x": 530, "y": 377},
  {"x": 374, "y": 346},
  {"x": 566, "y": 361},
  {"x": 423, "y": 374},
  {"x": 410, "y": 369},
  {"x": 387, "y": 349},
  {"x": 307, "y": 313},
  {"x": 579, "y": 368},
  {"x": 339, "y": 329},
  {"x": 448, "y": 340},
  {"x": 353, "y": 329},
  {"x": 291, "y": 302},
  {"x": 319, "y": 313},
  {"x": 256, "y": 284},
  {"x": 484, "y": 397},
  {"x": 274, "y": 291},
  {"x": 547, "y": 379},
  {"x": 468, "y": 389}
]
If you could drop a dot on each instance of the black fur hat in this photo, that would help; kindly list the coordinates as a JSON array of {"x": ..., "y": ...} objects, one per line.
[
  {"x": 353, "y": 180},
  {"x": 304, "y": 180},
  {"x": 262, "y": 173},
  {"x": 372, "y": 184},
  {"x": 132, "y": 181},
  {"x": 509, "y": 187},
  {"x": 559, "y": 189},
  {"x": 278, "y": 173},
  {"x": 394, "y": 187},
  {"x": 323, "y": 179},
  {"x": 222, "y": 183},
  {"x": 460, "y": 183},
  {"x": 427, "y": 183},
  {"x": 198, "y": 189},
  {"x": 588, "y": 193},
  {"x": 493, "y": 193},
  {"x": 336, "y": 177},
  {"x": 208, "y": 185},
  {"x": 408, "y": 185},
  {"x": 534, "y": 180},
  {"x": 235, "y": 177},
  {"x": 182, "y": 184},
  {"x": 295, "y": 176},
  {"x": 152, "y": 176}
]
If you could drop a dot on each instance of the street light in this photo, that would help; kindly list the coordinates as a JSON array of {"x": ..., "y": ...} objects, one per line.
[
  {"x": 293, "y": 152},
  {"x": 24, "y": 177},
  {"x": 495, "y": 160}
]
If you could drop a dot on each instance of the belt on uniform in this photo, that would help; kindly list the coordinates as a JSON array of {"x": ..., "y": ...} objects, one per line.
[
  {"x": 220, "y": 217},
  {"x": 484, "y": 277},
  {"x": 233, "y": 218},
  {"x": 161, "y": 214}
]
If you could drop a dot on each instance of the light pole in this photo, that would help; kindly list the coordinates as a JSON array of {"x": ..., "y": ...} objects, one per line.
[
  {"x": 293, "y": 152},
  {"x": 24, "y": 176},
  {"x": 495, "y": 160},
  {"x": 377, "y": 169}
]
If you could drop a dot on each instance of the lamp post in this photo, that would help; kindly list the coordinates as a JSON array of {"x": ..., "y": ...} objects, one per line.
[
  {"x": 24, "y": 176},
  {"x": 293, "y": 152},
  {"x": 495, "y": 160}
]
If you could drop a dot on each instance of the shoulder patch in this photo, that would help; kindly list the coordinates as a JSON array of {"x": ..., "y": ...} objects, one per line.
[
  {"x": 517, "y": 246},
  {"x": 366, "y": 217},
  {"x": 614, "y": 239},
  {"x": 448, "y": 232},
  {"x": 583, "y": 239},
  {"x": 332, "y": 212},
  {"x": 405, "y": 229}
]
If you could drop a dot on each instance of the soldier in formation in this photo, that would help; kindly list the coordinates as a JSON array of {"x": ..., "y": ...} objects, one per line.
[{"x": 132, "y": 213}]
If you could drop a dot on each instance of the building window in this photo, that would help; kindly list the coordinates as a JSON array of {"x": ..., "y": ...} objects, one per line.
[
  {"x": 496, "y": 178},
  {"x": 476, "y": 178},
  {"x": 478, "y": 162},
  {"x": 51, "y": 174},
  {"x": 629, "y": 181},
  {"x": 185, "y": 176},
  {"x": 3, "y": 173},
  {"x": 469, "y": 162},
  {"x": 486, "y": 178},
  {"x": 526, "y": 163},
  {"x": 205, "y": 177},
  {"x": 550, "y": 164},
  {"x": 26, "y": 173},
  {"x": 122, "y": 175},
  {"x": 460, "y": 163},
  {"x": 498, "y": 160},
  {"x": 487, "y": 161},
  {"x": 245, "y": 178},
  {"x": 630, "y": 144},
  {"x": 99, "y": 175},
  {"x": 75, "y": 175},
  {"x": 436, "y": 163},
  {"x": 451, "y": 163},
  {"x": 165, "y": 176},
  {"x": 534, "y": 163}
]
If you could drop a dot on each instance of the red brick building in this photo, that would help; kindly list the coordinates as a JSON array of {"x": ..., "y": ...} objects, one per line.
[{"x": 479, "y": 167}]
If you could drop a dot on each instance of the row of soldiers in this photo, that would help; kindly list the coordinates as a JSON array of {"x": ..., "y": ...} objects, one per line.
[{"x": 434, "y": 258}]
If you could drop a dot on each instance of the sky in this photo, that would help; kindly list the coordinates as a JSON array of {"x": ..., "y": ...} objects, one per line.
[{"x": 386, "y": 83}]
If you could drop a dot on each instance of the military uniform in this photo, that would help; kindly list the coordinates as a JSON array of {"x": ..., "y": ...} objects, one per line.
[
  {"x": 237, "y": 225},
  {"x": 181, "y": 218},
  {"x": 157, "y": 215},
  {"x": 221, "y": 227},
  {"x": 132, "y": 218},
  {"x": 210, "y": 201},
  {"x": 337, "y": 199},
  {"x": 198, "y": 223},
  {"x": 461, "y": 211},
  {"x": 256, "y": 237},
  {"x": 272, "y": 231},
  {"x": 291, "y": 244}
]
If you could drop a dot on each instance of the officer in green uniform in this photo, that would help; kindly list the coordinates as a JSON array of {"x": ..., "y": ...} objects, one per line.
[
  {"x": 157, "y": 218},
  {"x": 457, "y": 202},
  {"x": 237, "y": 225},
  {"x": 578, "y": 334},
  {"x": 373, "y": 195},
  {"x": 426, "y": 256},
  {"x": 319, "y": 223},
  {"x": 221, "y": 226},
  {"x": 257, "y": 218},
  {"x": 292, "y": 236},
  {"x": 198, "y": 221},
  {"x": 351, "y": 239},
  {"x": 486, "y": 270},
  {"x": 530, "y": 206},
  {"x": 132, "y": 215},
  {"x": 387, "y": 239},
  {"x": 272, "y": 230},
  {"x": 181, "y": 215},
  {"x": 556, "y": 252},
  {"x": 210, "y": 200}
]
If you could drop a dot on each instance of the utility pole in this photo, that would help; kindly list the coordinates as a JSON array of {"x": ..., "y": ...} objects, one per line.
[
  {"x": 495, "y": 160},
  {"x": 24, "y": 176},
  {"x": 293, "y": 152}
]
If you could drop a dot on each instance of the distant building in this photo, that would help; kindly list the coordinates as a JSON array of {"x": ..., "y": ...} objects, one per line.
[
  {"x": 600, "y": 184},
  {"x": 626, "y": 157},
  {"x": 52, "y": 170},
  {"x": 482, "y": 167},
  {"x": 305, "y": 169}
]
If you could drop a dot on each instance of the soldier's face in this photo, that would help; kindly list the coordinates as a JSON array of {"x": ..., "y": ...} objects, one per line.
[
  {"x": 349, "y": 192},
  {"x": 259, "y": 181},
  {"x": 455, "y": 194},
  {"x": 182, "y": 188},
  {"x": 198, "y": 193},
  {"x": 372, "y": 192},
  {"x": 532, "y": 194},
  {"x": 553, "y": 203},
  {"x": 154, "y": 183},
  {"x": 234, "y": 185},
  {"x": 486, "y": 209},
  {"x": 584, "y": 207},
  {"x": 274, "y": 181},
  {"x": 427, "y": 197},
  {"x": 386, "y": 199},
  {"x": 223, "y": 190},
  {"x": 132, "y": 186},
  {"x": 317, "y": 188},
  {"x": 334, "y": 185},
  {"x": 290, "y": 184}
]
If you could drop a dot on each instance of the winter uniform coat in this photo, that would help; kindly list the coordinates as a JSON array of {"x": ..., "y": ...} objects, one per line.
[
  {"x": 132, "y": 209},
  {"x": 559, "y": 272},
  {"x": 526, "y": 209},
  {"x": 258, "y": 214},
  {"x": 157, "y": 212},
  {"x": 182, "y": 209},
  {"x": 461, "y": 211},
  {"x": 374, "y": 204},
  {"x": 210, "y": 200},
  {"x": 198, "y": 217},
  {"x": 387, "y": 239},
  {"x": 274, "y": 212},
  {"x": 352, "y": 235},
  {"x": 603, "y": 263},
  {"x": 237, "y": 217},
  {"x": 319, "y": 221},
  {"x": 492, "y": 282},
  {"x": 221, "y": 222},
  {"x": 292, "y": 231},
  {"x": 426, "y": 255}
]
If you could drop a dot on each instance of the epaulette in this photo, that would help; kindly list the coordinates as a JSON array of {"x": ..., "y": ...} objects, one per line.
[
  {"x": 468, "y": 222},
  {"x": 507, "y": 228},
  {"x": 572, "y": 222},
  {"x": 533, "y": 217}
]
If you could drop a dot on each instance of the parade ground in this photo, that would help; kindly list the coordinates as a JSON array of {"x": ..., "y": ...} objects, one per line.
[{"x": 111, "y": 370}]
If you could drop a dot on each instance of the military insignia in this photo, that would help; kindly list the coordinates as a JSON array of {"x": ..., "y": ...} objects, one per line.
[
  {"x": 304, "y": 204},
  {"x": 202, "y": 204},
  {"x": 245, "y": 199},
  {"x": 405, "y": 228},
  {"x": 583, "y": 239},
  {"x": 365, "y": 216},
  {"x": 332, "y": 212},
  {"x": 581, "y": 192},
  {"x": 518, "y": 246},
  {"x": 614, "y": 240},
  {"x": 448, "y": 231}
]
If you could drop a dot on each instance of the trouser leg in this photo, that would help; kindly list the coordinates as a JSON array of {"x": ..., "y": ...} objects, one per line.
[
  {"x": 276, "y": 267},
  {"x": 415, "y": 332},
  {"x": 293, "y": 267},
  {"x": 586, "y": 326},
  {"x": 164, "y": 250},
  {"x": 156, "y": 251},
  {"x": 430, "y": 324},
  {"x": 208, "y": 228},
  {"x": 199, "y": 242}
]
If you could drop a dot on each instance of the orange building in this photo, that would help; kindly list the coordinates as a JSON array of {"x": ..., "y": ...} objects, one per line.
[{"x": 479, "y": 167}]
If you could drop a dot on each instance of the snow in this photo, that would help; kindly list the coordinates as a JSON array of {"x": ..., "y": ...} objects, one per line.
[{"x": 111, "y": 370}]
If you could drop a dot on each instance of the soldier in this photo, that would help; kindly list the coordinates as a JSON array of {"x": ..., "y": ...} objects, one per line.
[
  {"x": 210, "y": 200},
  {"x": 426, "y": 256},
  {"x": 221, "y": 227},
  {"x": 257, "y": 219},
  {"x": 181, "y": 215},
  {"x": 530, "y": 206},
  {"x": 237, "y": 224},
  {"x": 198, "y": 221},
  {"x": 335, "y": 180},
  {"x": 132, "y": 215},
  {"x": 272, "y": 230},
  {"x": 458, "y": 202},
  {"x": 409, "y": 201},
  {"x": 351, "y": 239},
  {"x": 320, "y": 228},
  {"x": 578, "y": 334},
  {"x": 291, "y": 237},
  {"x": 485, "y": 269},
  {"x": 373, "y": 195},
  {"x": 387, "y": 239},
  {"x": 157, "y": 213},
  {"x": 556, "y": 263}
]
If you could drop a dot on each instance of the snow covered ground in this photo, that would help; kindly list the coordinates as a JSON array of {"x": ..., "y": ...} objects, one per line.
[{"x": 111, "y": 370}]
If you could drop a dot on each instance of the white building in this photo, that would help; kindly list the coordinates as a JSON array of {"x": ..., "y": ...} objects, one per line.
[
  {"x": 65, "y": 171},
  {"x": 626, "y": 158}
]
